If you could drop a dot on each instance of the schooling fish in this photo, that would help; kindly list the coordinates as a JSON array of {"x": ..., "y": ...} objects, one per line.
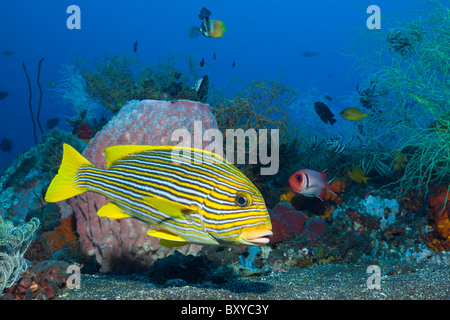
[
  {"x": 135, "y": 47},
  {"x": 234, "y": 64},
  {"x": 202, "y": 63},
  {"x": 324, "y": 112},
  {"x": 311, "y": 183},
  {"x": 208, "y": 201}
]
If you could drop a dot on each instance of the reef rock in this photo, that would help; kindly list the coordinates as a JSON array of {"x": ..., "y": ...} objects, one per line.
[
  {"x": 123, "y": 245},
  {"x": 288, "y": 222},
  {"x": 439, "y": 219}
]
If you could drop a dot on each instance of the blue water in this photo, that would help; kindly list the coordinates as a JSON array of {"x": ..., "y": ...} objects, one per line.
[{"x": 265, "y": 38}]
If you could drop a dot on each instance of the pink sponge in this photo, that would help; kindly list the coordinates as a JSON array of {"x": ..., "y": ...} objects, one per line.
[
  {"x": 287, "y": 222},
  {"x": 123, "y": 245}
]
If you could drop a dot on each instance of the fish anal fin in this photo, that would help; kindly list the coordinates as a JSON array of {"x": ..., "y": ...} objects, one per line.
[
  {"x": 324, "y": 175},
  {"x": 172, "y": 244},
  {"x": 174, "y": 209},
  {"x": 166, "y": 235},
  {"x": 322, "y": 195},
  {"x": 112, "y": 211}
]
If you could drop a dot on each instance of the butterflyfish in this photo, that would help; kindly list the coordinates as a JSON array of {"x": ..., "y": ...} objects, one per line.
[{"x": 209, "y": 28}]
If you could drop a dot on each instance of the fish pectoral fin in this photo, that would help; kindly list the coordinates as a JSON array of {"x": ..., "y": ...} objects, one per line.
[
  {"x": 112, "y": 211},
  {"x": 174, "y": 209},
  {"x": 167, "y": 235}
]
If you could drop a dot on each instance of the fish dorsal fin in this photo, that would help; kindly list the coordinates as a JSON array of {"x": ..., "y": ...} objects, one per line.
[
  {"x": 112, "y": 211},
  {"x": 115, "y": 153},
  {"x": 174, "y": 209},
  {"x": 166, "y": 235}
]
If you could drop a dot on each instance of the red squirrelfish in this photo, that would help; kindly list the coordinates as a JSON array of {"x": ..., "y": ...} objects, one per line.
[{"x": 311, "y": 183}]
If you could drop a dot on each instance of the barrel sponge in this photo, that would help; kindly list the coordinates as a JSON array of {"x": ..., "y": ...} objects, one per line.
[{"x": 123, "y": 245}]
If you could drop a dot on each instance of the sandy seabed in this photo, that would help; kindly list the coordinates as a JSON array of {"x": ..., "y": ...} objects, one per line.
[{"x": 317, "y": 282}]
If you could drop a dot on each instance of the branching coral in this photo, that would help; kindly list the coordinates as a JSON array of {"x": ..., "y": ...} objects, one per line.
[
  {"x": 73, "y": 90},
  {"x": 116, "y": 80},
  {"x": 50, "y": 149},
  {"x": 14, "y": 241},
  {"x": 258, "y": 104}
]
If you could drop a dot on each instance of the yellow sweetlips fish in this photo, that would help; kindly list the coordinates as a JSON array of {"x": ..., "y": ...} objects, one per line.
[
  {"x": 352, "y": 113},
  {"x": 193, "y": 196}
]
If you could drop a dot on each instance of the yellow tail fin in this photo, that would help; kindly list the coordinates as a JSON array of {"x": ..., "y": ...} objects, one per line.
[{"x": 63, "y": 184}]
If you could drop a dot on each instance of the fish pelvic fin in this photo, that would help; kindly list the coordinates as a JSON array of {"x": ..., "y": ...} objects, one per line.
[
  {"x": 167, "y": 238},
  {"x": 63, "y": 185},
  {"x": 112, "y": 211}
]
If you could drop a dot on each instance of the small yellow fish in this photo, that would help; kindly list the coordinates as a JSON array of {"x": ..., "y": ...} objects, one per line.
[
  {"x": 357, "y": 174},
  {"x": 352, "y": 113},
  {"x": 399, "y": 160}
]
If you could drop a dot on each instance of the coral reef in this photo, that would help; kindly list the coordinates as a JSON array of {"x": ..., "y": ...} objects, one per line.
[
  {"x": 439, "y": 219},
  {"x": 72, "y": 90},
  {"x": 14, "y": 241},
  {"x": 259, "y": 104},
  {"x": 113, "y": 81},
  {"x": 411, "y": 114},
  {"x": 41, "y": 282},
  {"x": 146, "y": 122},
  {"x": 50, "y": 150},
  {"x": 62, "y": 241},
  {"x": 288, "y": 222}
]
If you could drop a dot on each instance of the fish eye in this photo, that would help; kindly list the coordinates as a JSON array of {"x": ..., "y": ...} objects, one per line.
[
  {"x": 299, "y": 178},
  {"x": 242, "y": 200}
]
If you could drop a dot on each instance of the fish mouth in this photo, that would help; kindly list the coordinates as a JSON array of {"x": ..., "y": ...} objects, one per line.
[{"x": 256, "y": 237}]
